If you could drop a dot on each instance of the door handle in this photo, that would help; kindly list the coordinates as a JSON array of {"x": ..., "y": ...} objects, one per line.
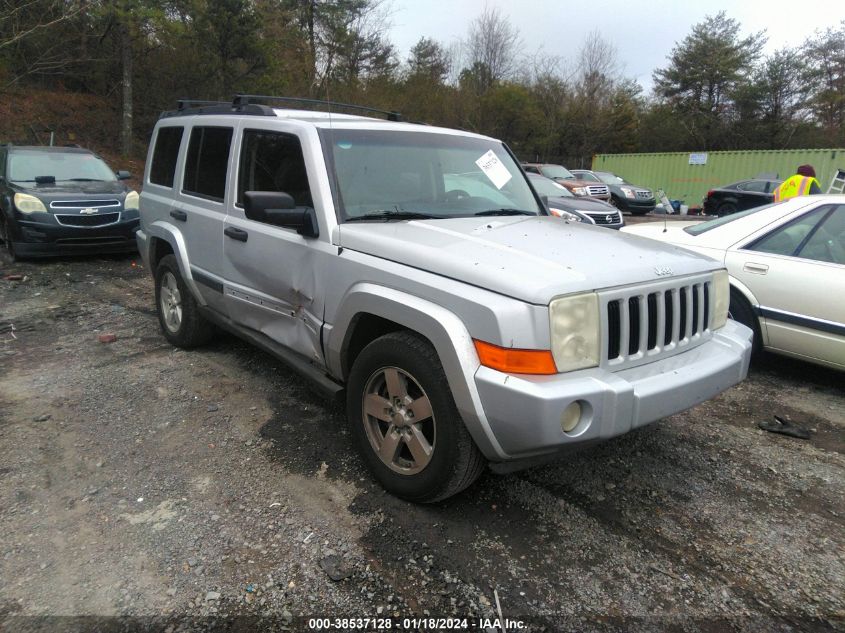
[
  {"x": 759, "y": 269},
  {"x": 176, "y": 214},
  {"x": 236, "y": 234}
]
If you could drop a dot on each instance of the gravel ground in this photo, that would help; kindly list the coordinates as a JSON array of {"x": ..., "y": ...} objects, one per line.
[{"x": 188, "y": 490}]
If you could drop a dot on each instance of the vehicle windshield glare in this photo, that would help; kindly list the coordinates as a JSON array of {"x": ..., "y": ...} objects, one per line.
[
  {"x": 556, "y": 171},
  {"x": 698, "y": 229},
  {"x": 547, "y": 187},
  {"x": 423, "y": 174},
  {"x": 26, "y": 165}
]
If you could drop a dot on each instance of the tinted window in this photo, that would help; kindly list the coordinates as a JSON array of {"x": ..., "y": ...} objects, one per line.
[
  {"x": 827, "y": 243},
  {"x": 166, "y": 151},
  {"x": 271, "y": 161},
  {"x": 753, "y": 185},
  {"x": 786, "y": 240},
  {"x": 205, "y": 166},
  {"x": 2, "y": 163}
]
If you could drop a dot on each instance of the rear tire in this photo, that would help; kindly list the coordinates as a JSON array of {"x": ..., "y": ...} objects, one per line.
[
  {"x": 178, "y": 312},
  {"x": 405, "y": 423},
  {"x": 726, "y": 208},
  {"x": 740, "y": 310}
]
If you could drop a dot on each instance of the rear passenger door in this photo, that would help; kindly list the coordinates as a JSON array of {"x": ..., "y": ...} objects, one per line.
[
  {"x": 273, "y": 274},
  {"x": 202, "y": 203}
]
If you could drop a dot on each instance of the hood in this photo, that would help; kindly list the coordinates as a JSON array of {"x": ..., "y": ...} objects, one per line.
[
  {"x": 532, "y": 259},
  {"x": 581, "y": 203},
  {"x": 72, "y": 189},
  {"x": 574, "y": 182},
  {"x": 675, "y": 234}
]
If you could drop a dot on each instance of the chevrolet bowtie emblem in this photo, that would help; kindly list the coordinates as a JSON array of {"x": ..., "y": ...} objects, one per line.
[{"x": 89, "y": 211}]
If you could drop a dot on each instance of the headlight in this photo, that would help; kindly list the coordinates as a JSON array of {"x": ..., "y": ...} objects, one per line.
[
  {"x": 629, "y": 193},
  {"x": 26, "y": 203},
  {"x": 575, "y": 329},
  {"x": 721, "y": 298},
  {"x": 566, "y": 215},
  {"x": 131, "y": 201},
  {"x": 579, "y": 191}
]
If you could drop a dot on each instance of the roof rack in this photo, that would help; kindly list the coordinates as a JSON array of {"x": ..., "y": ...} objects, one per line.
[{"x": 242, "y": 100}]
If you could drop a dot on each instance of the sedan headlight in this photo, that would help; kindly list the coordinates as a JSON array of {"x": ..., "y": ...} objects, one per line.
[
  {"x": 629, "y": 193},
  {"x": 26, "y": 203},
  {"x": 566, "y": 215},
  {"x": 131, "y": 201},
  {"x": 579, "y": 191},
  {"x": 575, "y": 328},
  {"x": 721, "y": 298}
]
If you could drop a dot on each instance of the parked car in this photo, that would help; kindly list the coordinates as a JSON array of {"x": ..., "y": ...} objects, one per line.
[
  {"x": 460, "y": 329},
  {"x": 623, "y": 195},
  {"x": 561, "y": 202},
  {"x": 62, "y": 201},
  {"x": 562, "y": 175},
  {"x": 787, "y": 268},
  {"x": 739, "y": 196}
]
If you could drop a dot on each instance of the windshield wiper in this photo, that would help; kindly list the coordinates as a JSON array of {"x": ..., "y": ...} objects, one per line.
[
  {"x": 386, "y": 215},
  {"x": 504, "y": 212}
]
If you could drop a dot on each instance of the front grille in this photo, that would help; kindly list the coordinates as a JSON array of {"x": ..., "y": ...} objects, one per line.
[
  {"x": 644, "y": 194},
  {"x": 84, "y": 204},
  {"x": 606, "y": 218},
  {"x": 597, "y": 190},
  {"x": 101, "y": 219},
  {"x": 658, "y": 320}
]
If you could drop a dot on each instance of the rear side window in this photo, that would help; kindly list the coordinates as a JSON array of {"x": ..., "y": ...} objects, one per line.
[
  {"x": 272, "y": 161},
  {"x": 163, "y": 169},
  {"x": 205, "y": 167}
]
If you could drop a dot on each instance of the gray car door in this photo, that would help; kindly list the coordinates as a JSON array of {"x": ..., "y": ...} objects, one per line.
[
  {"x": 273, "y": 274},
  {"x": 202, "y": 201}
]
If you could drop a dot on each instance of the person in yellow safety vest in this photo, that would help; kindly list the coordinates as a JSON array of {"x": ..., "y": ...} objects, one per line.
[{"x": 803, "y": 183}]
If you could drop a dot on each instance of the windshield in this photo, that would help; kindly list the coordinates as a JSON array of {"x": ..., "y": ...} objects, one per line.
[
  {"x": 26, "y": 165},
  {"x": 588, "y": 176},
  {"x": 556, "y": 171},
  {"x": 698, "y": 229},
  {"x": 385, "y": 174},
  {"x": 610, "y": 179},
  {"x": 546, "y": 187}
]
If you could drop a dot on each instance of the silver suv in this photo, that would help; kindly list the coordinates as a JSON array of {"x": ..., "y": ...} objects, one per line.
[{"x": 464, "y": 329}]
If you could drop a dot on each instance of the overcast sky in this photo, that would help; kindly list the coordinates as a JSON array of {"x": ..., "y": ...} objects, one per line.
[{"x": 643, "y": 33}]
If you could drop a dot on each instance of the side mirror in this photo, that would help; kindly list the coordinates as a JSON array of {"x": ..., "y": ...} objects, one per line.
[
  {"x": 123, "y": 175},
  {"x": 279, "y": 209}
]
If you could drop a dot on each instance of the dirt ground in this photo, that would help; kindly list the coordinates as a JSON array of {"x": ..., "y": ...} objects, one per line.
[{"x": 186, "y": 491}]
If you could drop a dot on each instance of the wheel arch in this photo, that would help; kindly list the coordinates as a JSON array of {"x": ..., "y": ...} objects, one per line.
[
  {"x": 745, "y": 292},
  {"x": 369, "y": 310},
  {"x": 165, "y": 240}
]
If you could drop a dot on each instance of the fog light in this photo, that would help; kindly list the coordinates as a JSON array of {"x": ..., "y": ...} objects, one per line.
[{"x": 570, "y": 417}]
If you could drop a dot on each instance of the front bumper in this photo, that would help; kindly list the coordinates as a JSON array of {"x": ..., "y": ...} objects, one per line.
[
  {"x": 50, "y": 239},
  {"x": 634, "y": 204},
  {"x": 524, "y": 412}
]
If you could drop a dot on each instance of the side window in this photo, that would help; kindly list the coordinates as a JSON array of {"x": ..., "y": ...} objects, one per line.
[
  {"x": 2, "y": 163},
  {"x": 205, "y": 166},
  {"x": 163, "y": 169},
  {"x": 753, "y": 185},
  {"x": 273, "y": 161},
  {"x": 827, "y": 244},
  {"x": 786, "y": 240}
]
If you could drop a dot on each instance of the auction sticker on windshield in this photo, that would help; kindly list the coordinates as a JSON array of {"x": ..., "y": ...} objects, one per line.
[{"x": 494, "y": 169}]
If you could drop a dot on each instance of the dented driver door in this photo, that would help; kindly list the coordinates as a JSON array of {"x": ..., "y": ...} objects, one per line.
[{"x": 273, "y": 273}]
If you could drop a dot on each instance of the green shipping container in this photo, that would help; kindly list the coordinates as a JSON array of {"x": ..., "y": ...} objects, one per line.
[{"x": 688, "y": 176}]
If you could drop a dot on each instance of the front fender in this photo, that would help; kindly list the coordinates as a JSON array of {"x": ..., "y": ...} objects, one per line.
[{"x": 444, "y": 330}]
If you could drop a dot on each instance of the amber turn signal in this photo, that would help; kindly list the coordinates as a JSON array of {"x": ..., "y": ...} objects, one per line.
[{"x": 515, "y": 361}]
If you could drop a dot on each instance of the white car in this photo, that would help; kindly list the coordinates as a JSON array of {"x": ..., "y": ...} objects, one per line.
[{"x": 787, "y": 271}]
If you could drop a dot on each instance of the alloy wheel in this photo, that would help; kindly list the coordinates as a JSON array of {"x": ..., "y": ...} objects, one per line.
[{"x": 171, "y": 302}]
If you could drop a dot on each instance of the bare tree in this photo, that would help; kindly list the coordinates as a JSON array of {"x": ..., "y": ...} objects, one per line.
[{"x": 492, "y": 46}]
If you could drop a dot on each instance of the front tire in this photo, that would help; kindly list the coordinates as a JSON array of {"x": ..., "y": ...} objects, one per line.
[
  {"x": 740, "y": 310},
  {"x": 405, "y": 423},
  {"x": 178, "y": 312},
  {"x": 8, "y": 244},
  {"x": 726, "y": 208}
]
